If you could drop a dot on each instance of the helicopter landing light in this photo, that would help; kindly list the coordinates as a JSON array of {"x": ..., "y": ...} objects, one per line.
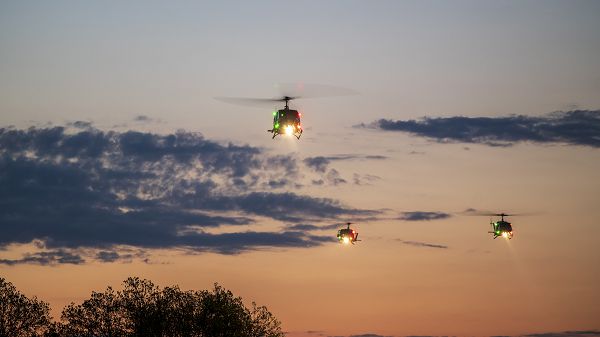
[
  {"x": 346, "y": 240},
  {"x": 289, "y": 130},
  {"x": 505, "y": 235}
]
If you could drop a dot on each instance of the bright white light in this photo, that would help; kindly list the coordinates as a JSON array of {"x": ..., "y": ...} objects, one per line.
[
  {"x": 289, "y": 129},
  {"x": 346, "y": 240},
  {"x": 505, "y": 235}
]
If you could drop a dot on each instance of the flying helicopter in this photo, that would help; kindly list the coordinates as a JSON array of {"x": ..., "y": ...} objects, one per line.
[
  {"x": 347, "y": 235},
  {"x": 287, "y": 121},
  {"x": 501, "y": 227}
]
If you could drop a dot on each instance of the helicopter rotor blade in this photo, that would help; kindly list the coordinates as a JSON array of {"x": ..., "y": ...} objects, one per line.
[
  {"x": 258, "y": 102},
  {"x": 289, "y": 92},
  {"x": 474, "y": 212}
]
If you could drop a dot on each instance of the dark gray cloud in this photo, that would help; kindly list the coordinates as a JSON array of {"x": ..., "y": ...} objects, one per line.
[
  {"x": 53, "y": 257},
  {"x": 320, "y": 164},
  {"x": 80, "y": 125},
  {"x": 582, "y": 333},
  {"x": 112, "y": 256},
  {"x": 577, "y": 127},
  {"x": 421, "y": 244},
  {"x": 142, "y": 118},
  {"x": 107, "y": 256},
  {"x": 423, "y": 216},
  {"x": 309, "y": 227},
  {"x": 576, "y": 333},
  {"x": 95, "y": 189}
]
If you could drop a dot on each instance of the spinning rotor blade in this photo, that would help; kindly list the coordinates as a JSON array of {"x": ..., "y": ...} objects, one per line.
[
  {"x": 259, "y": 102},
  {"x": 487, "y": 213},
  {"x": 289, "y": 92}
]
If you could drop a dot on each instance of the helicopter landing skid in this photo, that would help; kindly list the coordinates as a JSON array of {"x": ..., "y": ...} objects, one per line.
[{"x": 275, "y": 134}]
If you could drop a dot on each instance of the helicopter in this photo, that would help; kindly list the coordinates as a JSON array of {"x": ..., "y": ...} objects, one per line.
[
  {"x": 501, "y": 228},
  {"x": 347, "y": 235},
  {"x": 287, "y": 121}
]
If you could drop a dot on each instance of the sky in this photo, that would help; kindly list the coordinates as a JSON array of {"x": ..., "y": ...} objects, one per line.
[{"x": 117, "y": 161}]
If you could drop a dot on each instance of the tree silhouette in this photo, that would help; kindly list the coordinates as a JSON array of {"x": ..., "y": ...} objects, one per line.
[
  {"x": 21, "y": 316},
  {"x": 143, "y": 309},
  {"x": 101, "y": 315}
]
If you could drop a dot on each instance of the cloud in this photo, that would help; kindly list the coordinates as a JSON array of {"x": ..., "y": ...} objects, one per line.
[
  {"x": 421, "y": 244},
  {"x": 364, "y": 179},
  {"x": 80, "y": 125},
  {"x": 309, "y": 227},
  {"x": 577, "y": 127},
  {"x": 423, "y": 216},
  {"x": 112, "y": 256},
  {"x": 54, "y": 257},
  {"x": 96, "y": 189},
  {"x": 320, "y": 164},
  {"x": 581, "y": 333},
  {"x": 334, "y": 178},
  {"x": 142, "y": 118}
]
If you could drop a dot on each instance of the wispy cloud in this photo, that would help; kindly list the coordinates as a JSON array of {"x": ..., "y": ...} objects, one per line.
[
  {"x": 142, "y": 118},
  {"x": 53, "y": 257},
  {"x": 96, "y": 189},
  {"x": 577, "y": 127},
  {"x": 423, "y": 216},
  {"x": 575, "y": 333},
  {"x": 320, "y": 164},
  {"x": 422, "y": 244},
  {"x": 309, "y": 227}
]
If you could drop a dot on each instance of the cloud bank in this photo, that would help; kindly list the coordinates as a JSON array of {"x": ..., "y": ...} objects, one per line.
[
  {"x": 89, "y": 188},
  {"x": 577, "y": 127}
]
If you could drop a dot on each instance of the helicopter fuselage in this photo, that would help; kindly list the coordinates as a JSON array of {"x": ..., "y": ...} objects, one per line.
[
  {"x": 502, "y": 228},
  {"x": 347, "y": 235},
  {"x": 286, "y": 121}
]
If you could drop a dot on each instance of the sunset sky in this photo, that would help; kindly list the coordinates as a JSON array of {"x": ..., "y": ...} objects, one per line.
[{"x": 117, "y": 161}]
